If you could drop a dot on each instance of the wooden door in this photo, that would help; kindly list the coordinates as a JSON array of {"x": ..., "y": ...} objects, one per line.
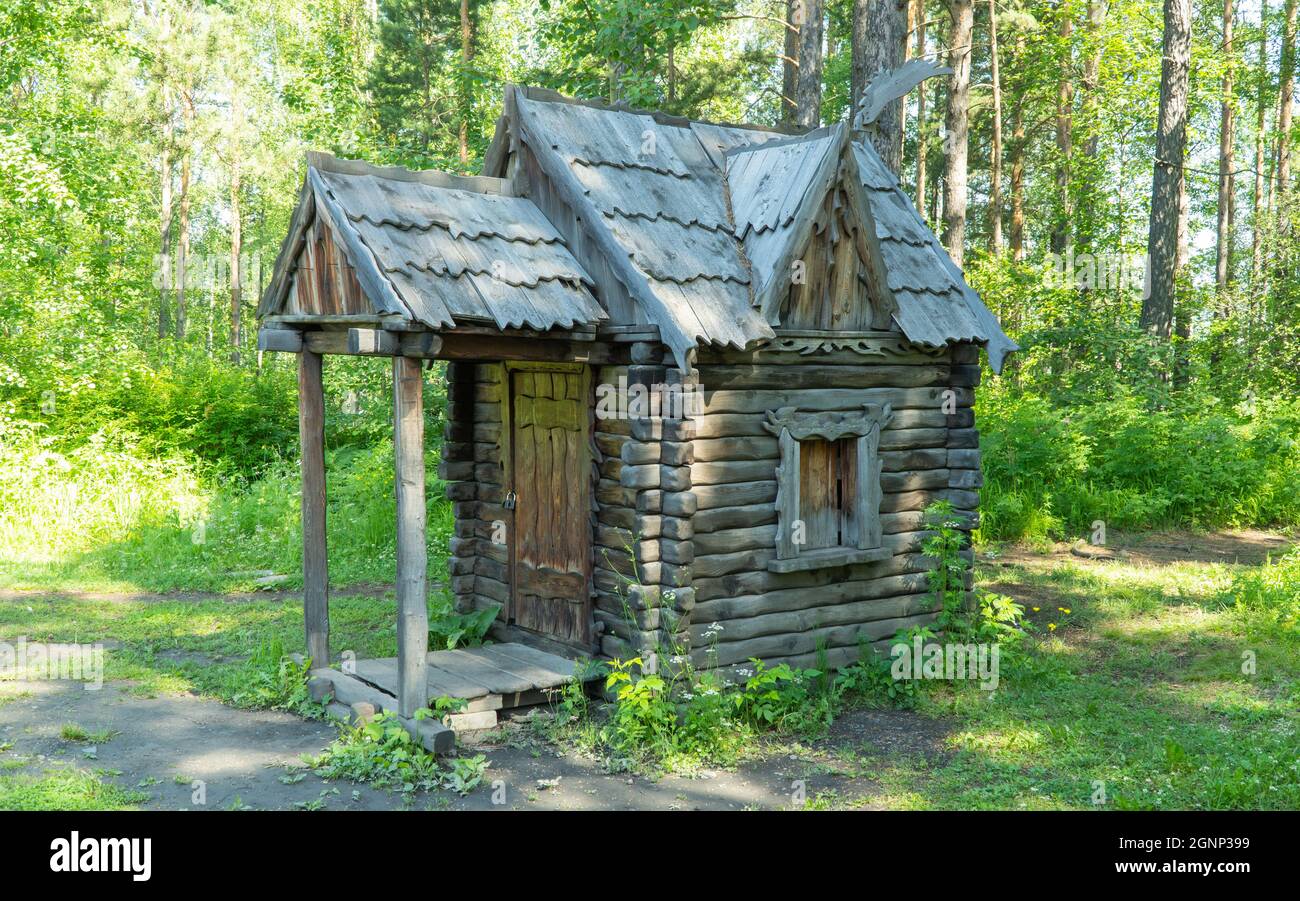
[{"x": 552, "y": 485}]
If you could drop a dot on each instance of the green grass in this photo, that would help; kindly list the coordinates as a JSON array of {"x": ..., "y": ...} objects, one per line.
[
  {"x": 204, "y": 646},
  {"x": 63, "y": 789},
  {"x": 76, "y": 732},
  {"x": 1138, "y": 693},
  {"x": 104, "y": 516}
]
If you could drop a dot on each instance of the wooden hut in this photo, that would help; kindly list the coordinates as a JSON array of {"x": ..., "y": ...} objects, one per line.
[{"x": 703, "y": 380}]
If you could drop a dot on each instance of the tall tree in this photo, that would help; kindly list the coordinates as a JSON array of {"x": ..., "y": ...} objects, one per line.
[
  {"x": 1223, "y": 250},
  {"x": 188, "y": 119},
  {"x": 957, "y": 127},
  {"x": 1092, "y": 75},
  {"x": 1018, "y": 159},
  {"x": 879, "y": 34},
  {"x": 413, "y": 81},
  {"x": 921, "y": 137},
  {"x": 1286, "y": 104},
  {"x": 235, "y": 163},
  {"x": 1060, "y": 235},
  {"x": 466, "y": 81},
  {"x": 166, "y": 177},
  {"x": 794, "y": 15},
  {"x": 1258, "y": 197},
  {"x": 1167, "y": 181},
  {"x": 808, "y": 93},
  {"x": 995, "y": 163}
]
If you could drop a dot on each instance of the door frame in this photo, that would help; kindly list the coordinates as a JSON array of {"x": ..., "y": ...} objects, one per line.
[{"x": 508, "y": 370}]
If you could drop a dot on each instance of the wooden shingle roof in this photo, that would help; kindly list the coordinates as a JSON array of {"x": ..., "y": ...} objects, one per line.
[
  {"x": 705, "y": 220},
  {"x": 935, "y": 305},
  {"x": 660, "y": 202},
  {"x": 439, "y": 250},
  {"x": 699, "y": 224}
]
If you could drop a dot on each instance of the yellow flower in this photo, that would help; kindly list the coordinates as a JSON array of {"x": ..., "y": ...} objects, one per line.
[
  {"x": 1065, "y": 610},
  {"x": 1036, "y": 609},
  {"x": 1051, "y": 627}
]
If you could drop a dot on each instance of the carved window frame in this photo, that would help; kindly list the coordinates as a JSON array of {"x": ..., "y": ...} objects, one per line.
[{"x": 792, "y": 426}]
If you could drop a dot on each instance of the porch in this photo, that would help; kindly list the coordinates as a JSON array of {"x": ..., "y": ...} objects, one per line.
[{"x": 490, "y": 679}]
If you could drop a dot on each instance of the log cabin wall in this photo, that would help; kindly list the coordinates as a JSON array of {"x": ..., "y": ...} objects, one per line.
[
  {"x": 644, "y": 548},
  {"x": 473, "y": 465},
  {"x": 927, "y": 454}
]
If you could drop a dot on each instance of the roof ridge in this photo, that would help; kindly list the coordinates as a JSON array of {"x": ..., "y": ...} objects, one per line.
[{"x": 436, "y": 178}]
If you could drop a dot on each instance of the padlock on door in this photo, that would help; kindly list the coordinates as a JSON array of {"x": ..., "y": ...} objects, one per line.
[{"x": 511, "y": 497}]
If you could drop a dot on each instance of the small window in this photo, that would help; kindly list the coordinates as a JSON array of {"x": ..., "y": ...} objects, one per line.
[
  {"x": 826, "y": 492},
  {"x": 828, "y": 487}
]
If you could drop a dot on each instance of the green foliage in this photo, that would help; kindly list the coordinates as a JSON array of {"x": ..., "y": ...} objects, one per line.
[
  {"x": 869, "y": 679},
  {"x": 1051, "y": 473},
  {"x": 449, "y": 629},
  {"x": 1267, "y": 599},
  {"x": 784, "y": 698},
  {"x": 107, "y": 512},
  {"x": 643, "y": 717},
  {"x": 685, "y": 716},
  {"x": 380, "y": 753},
  {"x": 271, "y": 680}
]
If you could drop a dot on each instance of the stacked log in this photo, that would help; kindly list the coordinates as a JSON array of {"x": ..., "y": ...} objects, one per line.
[{"x": 929, "y": 452}]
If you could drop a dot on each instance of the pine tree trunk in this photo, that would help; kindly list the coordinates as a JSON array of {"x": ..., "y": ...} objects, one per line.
[
  {"x": 859, "y": 39},
  {"x": 957, "y": 126},
  {"x": 790, "y": 61},
  {"x": 1286, "y": 102},
  {"x": 1257, "y": 200},
  {"x": 166, "y": 221},
  {"x": 921, "y": 137},
  {"x": 808, "y": 94},
  {"x": 183, "y": 250},
  {"x": 672, "y": 75},
  {"x": 1018, "y": 159},
  {"x": 1060, "y": 236},
  {"x": 995, "y": 173},
  {"x": 466, "y": 58},
  {"x": 878, "y": 48},
  {"x": 236, "y": 233},
  {"x": 1171, "y": 138},
  {"x": 1092, "y": 75},
  {"x": 1223, "y": 251}
]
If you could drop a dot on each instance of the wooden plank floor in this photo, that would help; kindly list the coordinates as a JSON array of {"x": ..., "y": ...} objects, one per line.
[{"x": 489, "y": 678}]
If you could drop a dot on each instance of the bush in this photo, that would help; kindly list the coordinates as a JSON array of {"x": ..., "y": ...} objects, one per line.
[
  {"x": 1267, "y": 599},
  {"x": 1051, "y": 471}
]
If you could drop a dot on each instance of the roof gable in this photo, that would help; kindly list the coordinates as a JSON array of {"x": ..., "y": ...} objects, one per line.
[
  {"x": 438, "y": 249},
  {"x": 776, "y": 191}
]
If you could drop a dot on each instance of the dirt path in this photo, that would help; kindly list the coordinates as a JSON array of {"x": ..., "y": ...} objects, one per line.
[
  {"x": 1245, "y": 546},
  {"x": 186, "y": 752}
]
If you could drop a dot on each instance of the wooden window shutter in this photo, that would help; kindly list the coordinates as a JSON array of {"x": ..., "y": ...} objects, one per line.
[{"x": 828, "y": 486}]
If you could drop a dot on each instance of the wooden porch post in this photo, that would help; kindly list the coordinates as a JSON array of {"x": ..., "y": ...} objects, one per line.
[
  {"x": 315, "y": 568},
  {"x": 412, "y": 552}
]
